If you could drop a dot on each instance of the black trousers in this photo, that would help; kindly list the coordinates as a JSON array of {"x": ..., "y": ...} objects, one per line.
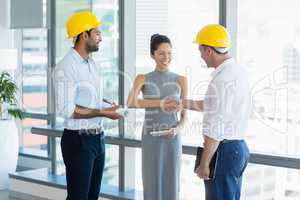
[{"x": 84, "y": 156}]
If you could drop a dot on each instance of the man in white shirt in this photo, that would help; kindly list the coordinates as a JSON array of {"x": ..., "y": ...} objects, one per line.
[
  {"x": 226, "y": 109},
  {"x": 78, "y": 96}
]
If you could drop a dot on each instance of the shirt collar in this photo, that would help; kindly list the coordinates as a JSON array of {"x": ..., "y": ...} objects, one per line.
[
  {"x": 222, "y": 66},
  {"x": 77, "y": 56}
]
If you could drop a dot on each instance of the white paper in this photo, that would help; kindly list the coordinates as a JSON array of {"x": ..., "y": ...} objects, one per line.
[{"x": 164, "y": 132}]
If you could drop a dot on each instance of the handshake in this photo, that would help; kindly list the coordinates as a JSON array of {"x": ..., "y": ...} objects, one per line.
[{"x": 171, "y": 104}]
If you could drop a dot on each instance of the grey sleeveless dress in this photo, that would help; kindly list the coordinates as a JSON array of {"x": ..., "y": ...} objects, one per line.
[{"x": 161, "y": 158}]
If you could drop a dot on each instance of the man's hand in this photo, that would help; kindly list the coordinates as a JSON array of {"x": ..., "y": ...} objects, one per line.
[
  {"x": 111, "y": 103},
  {"x": 171, "y": 105},
  {"x": 111, "y": 113},
  {"x": 196, "y": 105},
  {"x": 203, "y": 172},
  {"x": 210, "y": 147}
]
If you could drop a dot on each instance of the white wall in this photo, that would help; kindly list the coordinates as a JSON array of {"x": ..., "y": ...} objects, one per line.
[{"x": 9, "y": 39}]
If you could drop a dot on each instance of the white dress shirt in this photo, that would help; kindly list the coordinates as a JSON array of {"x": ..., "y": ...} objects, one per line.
[
  {"x": 77, "y": 82},
  {"x": 227, "y": 103}
]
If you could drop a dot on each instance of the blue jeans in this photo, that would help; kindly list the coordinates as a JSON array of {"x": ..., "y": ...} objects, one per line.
[
  {"x": 84, "y": 156},
  {"x": 233, "y": 159}
]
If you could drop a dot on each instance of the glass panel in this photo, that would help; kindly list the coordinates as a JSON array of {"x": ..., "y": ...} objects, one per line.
[
  {"x": 274, "y": 72},
  {"x": 29, "y": 140},
  {"x": 180, "y": 21},
  {"x": 266, "y": 183},
  {"x": 107, "y": 57},
  {"x": 34, "y": 85},
  {"x": 133, "y": 165},
  {"x": 111, "y": 170},
  {"x": 191, "y": 187},
  {"x": 64, "y": 9}
]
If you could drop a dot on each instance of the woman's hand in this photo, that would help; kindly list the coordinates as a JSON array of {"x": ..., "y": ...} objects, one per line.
[{"x": 170, "y": 135}]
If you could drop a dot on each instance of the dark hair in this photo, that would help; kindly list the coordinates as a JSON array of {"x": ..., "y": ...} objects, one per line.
[
  {"x": 78, "y": 36},
  {"x": 156, "y": 40}
]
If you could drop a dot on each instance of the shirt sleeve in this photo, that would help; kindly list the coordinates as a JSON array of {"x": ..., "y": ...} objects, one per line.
[
  {"x": 85, "y": 95},
  {"x": 64, "y": 89},
  {"x": 218, "y": 110}
]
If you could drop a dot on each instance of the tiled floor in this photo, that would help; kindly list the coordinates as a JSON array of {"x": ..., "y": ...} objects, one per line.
[{"x": 4, "y": 195}]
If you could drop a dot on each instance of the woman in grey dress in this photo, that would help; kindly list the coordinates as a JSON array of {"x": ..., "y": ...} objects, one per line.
[{"x": 162, "y": 90}]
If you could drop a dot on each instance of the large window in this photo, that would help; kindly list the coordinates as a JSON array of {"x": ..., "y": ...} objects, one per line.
[
  {"x": 34, "y": 85},
  {"x": 269, "y": 45},
  {"x": 268, "y": 41}
]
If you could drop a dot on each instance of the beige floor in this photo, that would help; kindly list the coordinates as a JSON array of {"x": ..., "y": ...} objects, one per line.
[{"x": 4, "y": 195}]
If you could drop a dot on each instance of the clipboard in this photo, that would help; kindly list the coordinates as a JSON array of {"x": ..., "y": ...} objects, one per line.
[{"x": 213, "y": 163}]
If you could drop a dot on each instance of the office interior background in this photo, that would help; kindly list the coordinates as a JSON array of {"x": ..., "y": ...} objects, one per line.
[{"x": 266, "y": 40}]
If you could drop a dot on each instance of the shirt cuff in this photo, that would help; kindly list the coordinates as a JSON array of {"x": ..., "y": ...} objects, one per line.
[{"x": 68, "y": 111}]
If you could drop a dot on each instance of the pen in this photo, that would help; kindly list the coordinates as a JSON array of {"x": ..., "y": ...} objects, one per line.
[{"x": 106, "y": 101}]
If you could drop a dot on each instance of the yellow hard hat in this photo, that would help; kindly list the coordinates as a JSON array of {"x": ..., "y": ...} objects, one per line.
[
  {"x": 214, "y": 35},
  {"x": 80, "y": 22}
]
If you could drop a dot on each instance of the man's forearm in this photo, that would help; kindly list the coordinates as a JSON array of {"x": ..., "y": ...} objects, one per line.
[
  {"x": 86, "y": 113},
  {"x": 210, "y": 147},
  {"x": 145, "y": 103},
  {"x": 192, "y": 105}
]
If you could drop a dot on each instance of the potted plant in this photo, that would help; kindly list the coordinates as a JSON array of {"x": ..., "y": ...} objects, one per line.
[
  {"x": 8, "y": 92},
  {"x": 9, "y": 142}
]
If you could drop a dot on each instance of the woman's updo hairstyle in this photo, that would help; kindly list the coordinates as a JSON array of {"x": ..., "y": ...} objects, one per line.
[{"x": 156, "y": 40}]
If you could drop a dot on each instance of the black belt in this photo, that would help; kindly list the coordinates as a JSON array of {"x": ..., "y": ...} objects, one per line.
[
  {"x": 229, "y": 141},
  {"x": 95, "y": 131}
]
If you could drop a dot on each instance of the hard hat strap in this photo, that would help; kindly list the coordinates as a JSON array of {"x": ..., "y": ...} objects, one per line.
[{"x": 221, "y": 50}]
